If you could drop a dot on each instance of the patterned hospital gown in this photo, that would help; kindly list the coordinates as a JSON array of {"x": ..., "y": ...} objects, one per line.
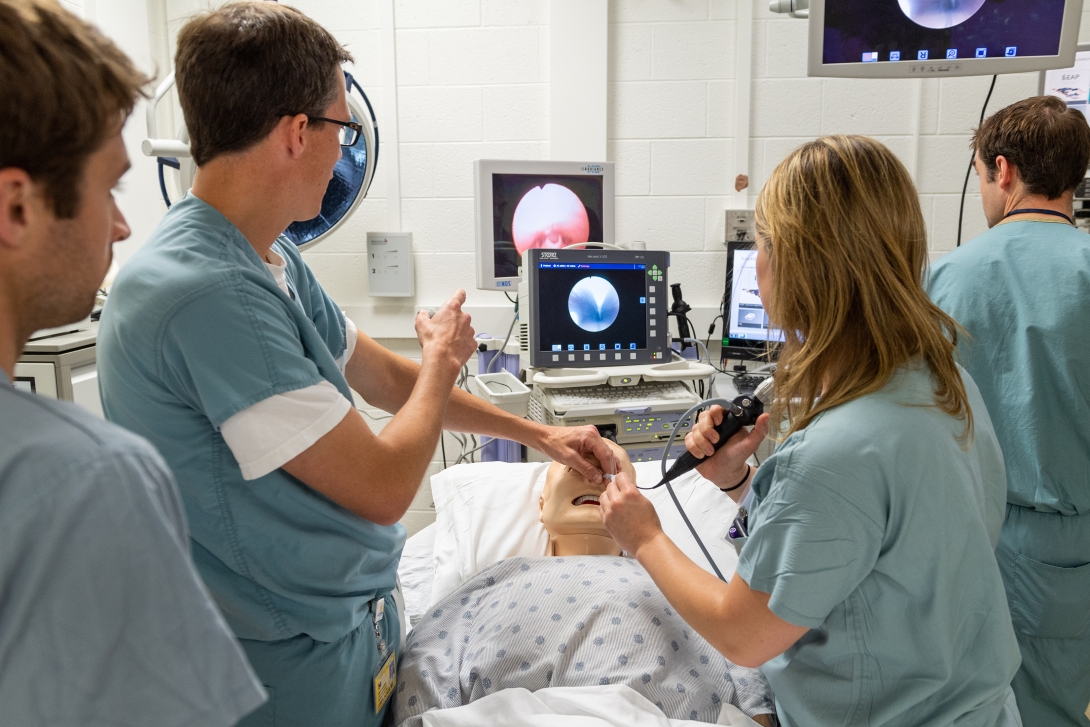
[{"x": 567, "y": 622}]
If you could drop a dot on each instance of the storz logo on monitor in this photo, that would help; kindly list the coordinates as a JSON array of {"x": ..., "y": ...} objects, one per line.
[
  {"x": 548, "y": 256},
  {"x": 592, "y": 169}
]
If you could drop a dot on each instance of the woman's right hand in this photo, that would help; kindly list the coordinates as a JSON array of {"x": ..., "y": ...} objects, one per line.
[{"x": 726, "y": 467}]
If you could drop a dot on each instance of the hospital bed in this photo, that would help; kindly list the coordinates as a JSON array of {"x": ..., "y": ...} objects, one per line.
[{"x": 487, "y": 514}]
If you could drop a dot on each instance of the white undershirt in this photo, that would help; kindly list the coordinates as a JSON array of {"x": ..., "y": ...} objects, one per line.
[{"x": 272, "y": 432}]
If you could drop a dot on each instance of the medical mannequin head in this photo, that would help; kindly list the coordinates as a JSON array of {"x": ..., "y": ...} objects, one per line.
[
  {"x": 569, "y": 510},
  {"x": 1031, "y": 154},
  {"x": 61, "y": 156}
]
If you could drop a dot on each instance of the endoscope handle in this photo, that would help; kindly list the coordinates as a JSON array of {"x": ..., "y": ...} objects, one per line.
[{"x": 749, "y": 409}]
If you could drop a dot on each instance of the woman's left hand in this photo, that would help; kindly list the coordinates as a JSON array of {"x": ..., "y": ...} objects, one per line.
[{"x": 629, "y": 516}]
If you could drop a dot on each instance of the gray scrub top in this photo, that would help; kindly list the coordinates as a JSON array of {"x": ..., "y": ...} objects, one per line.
[
  {"x": 876, "y": 530},
  {"x": 195, "y": 331},
  {"x": 1022, "y": 292},
  {"x": 103, "y": 619}
]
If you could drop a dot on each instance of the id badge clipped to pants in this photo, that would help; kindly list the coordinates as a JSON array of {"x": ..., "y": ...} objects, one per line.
[{"x": 386, "y": 675}]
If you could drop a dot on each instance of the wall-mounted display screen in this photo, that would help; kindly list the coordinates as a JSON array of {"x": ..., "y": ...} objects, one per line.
[
  {"x": 914, "y": 38},
  {"x": 536, "y": 205},
  {"x": 547, "y": 211}
]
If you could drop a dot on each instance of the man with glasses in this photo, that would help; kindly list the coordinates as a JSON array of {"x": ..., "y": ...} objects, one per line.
[{"x": 220, "y": 346}]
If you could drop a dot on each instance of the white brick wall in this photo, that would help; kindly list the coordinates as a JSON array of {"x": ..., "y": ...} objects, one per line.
[{"x": 472, "y": 83}]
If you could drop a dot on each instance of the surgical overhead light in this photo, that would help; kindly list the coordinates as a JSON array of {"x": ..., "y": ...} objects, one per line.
[{"x": 351, "y": 177}]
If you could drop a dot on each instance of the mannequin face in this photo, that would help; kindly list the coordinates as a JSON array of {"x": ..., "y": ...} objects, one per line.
[{"x": 569, "y": 503}]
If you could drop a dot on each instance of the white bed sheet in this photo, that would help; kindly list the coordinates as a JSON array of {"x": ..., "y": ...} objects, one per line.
[
  {"x": 604, "y": 706},
  {"x": 417, "y": 573}
]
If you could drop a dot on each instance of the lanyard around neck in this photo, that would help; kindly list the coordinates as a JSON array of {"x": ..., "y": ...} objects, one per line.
[{"x": 1036, "y": 211}]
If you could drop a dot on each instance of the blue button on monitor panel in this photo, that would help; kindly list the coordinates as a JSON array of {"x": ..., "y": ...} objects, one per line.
[
  {"x": 870, "y": 57},
  {"x": 951, "y": 54},
  {"x": 616, "y": 347},
  {"x": 601, "y": 347},
  {"x": 895, "y": 55},
  {"x": 632, "y": 346},
  {"x": 981, "y": 52},
  {"x": 643, "y": 300},
  {"x": 1011, "y": 52},
  {"x": 921, "y": 56},
  {"x": 556, "y": 346},
  {"x": 586, "y": 346},
  {"x": 571, "y": 346}
]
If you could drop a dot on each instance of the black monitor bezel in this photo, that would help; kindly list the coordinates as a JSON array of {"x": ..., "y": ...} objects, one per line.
[
  {"x": 645, "y": 356},
  {"x": 740, "y": 349}
]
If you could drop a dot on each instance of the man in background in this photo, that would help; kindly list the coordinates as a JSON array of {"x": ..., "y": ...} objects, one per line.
[
  {"x": 103, "y": 619},
  {"x": 1022, "y": 292}
]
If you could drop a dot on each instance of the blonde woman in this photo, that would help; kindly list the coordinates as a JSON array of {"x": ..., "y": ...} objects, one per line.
[{"x": 868, "y": 589}]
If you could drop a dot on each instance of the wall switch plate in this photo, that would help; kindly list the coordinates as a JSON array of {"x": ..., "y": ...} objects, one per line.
[
  {"x": 390, "y": 264},
  {"x": 741, "y": 226}
]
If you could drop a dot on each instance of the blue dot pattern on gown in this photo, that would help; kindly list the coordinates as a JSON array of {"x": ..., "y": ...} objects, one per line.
[{"x": 613, "y": 627}]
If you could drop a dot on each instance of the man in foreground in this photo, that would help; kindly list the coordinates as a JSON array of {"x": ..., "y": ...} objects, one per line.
[{"x": 103, "y": 619}]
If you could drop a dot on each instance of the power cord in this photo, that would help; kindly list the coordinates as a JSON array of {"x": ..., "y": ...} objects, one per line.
[
  {"x": 507, "y": 338},
  {"x": 969, "y": 171}
]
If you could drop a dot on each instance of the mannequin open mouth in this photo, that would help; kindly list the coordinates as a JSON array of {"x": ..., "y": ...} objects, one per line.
[{"x": 586, "y": 500}]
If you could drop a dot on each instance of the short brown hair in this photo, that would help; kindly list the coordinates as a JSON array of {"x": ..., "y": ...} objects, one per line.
[
  {"x": 64, "y": 87},
  {"x": 242, "y": 67},
  {"x": 1047, "y": 142}
]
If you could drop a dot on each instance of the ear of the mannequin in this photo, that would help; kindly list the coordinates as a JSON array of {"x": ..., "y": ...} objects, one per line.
[{"x": 569, "y": 510}]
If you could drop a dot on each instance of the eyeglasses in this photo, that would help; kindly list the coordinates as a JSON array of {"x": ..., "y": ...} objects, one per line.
[{"x": 349, "y": 132}]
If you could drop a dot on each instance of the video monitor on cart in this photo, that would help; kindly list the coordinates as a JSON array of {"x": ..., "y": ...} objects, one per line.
[
  {"x": 595, "y": 308},
  {"x": 747, "y": 331}
]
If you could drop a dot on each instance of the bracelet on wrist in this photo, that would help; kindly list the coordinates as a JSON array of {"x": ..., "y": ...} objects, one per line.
[{"x": 749, "y": 471}]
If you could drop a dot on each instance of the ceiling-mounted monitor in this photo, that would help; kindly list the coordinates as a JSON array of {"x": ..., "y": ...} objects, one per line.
[
  {"x": 524, "y": 205},
  {"x": 938, "y": 38}
]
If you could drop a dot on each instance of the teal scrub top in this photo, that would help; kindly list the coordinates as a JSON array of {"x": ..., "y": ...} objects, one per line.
[
  {"x": 1022, "y": 292},
  {"x": 876, "y": 530},
  {"x": 103, "y": 620},
  {"x": 196, "y": 330}
]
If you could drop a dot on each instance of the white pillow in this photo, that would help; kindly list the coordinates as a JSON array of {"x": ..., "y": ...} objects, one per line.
[{"x": 488, "y": 512}]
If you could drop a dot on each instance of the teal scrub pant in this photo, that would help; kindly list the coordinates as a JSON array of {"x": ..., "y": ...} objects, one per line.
[
  {"x": 330, "y": 684},
  {"x": 1045, "y": 562}
]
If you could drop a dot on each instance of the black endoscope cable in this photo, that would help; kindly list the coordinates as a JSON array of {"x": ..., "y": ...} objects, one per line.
[
  {"x": 742, "y": 412},
  {"x": 969, "y": 172}
]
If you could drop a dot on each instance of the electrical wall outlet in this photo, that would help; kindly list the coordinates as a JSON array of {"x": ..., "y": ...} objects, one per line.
[
  {"x": 741, "y": 226},
  {"x": 390, "y": 264}
]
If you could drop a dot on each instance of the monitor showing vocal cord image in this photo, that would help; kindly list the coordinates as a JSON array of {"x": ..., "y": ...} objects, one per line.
[{"x": 532, "y": 205}]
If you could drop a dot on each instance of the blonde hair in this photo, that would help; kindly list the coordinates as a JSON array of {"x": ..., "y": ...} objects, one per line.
[{"x": 840, "y": 220}]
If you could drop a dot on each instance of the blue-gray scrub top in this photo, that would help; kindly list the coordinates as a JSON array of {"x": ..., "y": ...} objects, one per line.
[
  {"x": 196, "y": 330},
  {"x": 876, "y": 530},
  {"x": 1022, "y": 291},
  {"x": 103, "y": 620}
]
